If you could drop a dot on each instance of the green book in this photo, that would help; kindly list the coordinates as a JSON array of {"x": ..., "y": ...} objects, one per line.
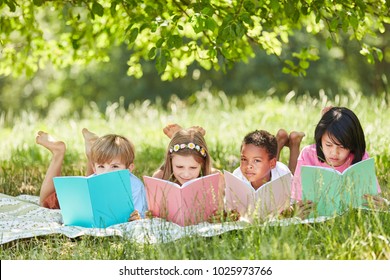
[
  {"x": 95, "y": 201},
  {"x": 334, "y": 192}
]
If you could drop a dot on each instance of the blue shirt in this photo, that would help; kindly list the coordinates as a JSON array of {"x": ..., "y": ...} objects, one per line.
[{"x": 139, "y": 195}]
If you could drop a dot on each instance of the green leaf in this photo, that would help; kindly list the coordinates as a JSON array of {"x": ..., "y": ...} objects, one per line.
[
  {"x": 38, "y": 2},
  {"x": 161, "y": 61},
  {"x": 353, "y": 20},
  {"x": 304, "y": 64},
  {"x": 207, "y": 11},
  {"x": 97, "y": 9},
  {"x": 199, "y": 24},
  {"x": 177, "y": 41},
  {"x": 245, "y": 17},
  {"x": 133, "y": 35},
  {"x": 11, "y": 6},
  {"x": 275, "y": 5},
  {"x": 249, "y": 6},
  {"x": 239, "y": 30},
  {"x": 379, "y": 53},
  {"x": 286, "y": 70},
  {"x": 210, "y": 24},
  {"x": 152, "y": 53},
  {"x": 113, "y": 7},
  {"x": 329, "y": 43},
  {"x": 334, "y": 24},
  {"x": 160, "y": 42}
]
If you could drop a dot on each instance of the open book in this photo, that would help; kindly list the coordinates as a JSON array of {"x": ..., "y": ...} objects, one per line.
[
  {"x": 189, "y": 204},
  {"x": 270, "y": 199},
  {"x": 95, "y": 201},
  {"x": 334, "y": 192}
]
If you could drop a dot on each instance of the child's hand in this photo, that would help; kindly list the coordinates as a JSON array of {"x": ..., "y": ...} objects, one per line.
[
  {"x": 148, "y": 214},
  {"x": 301, "y": 209},
  {"x": 134, "y": 216},
  {"x": 304, "y": 208},
  {"x": 376, "y": 202},
  {"x": 220, "y": 216}
]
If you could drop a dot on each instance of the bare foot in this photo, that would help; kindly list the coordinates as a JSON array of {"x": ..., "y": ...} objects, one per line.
[
  {"x": 89, "y": 139},
  {"x": 171, "y": 129},
  {"x": 47, "y": 141},
  {"x": 199, "y": 129},
  {"x": 325, "y": 109},
  {"x": 282, "y": 138},
  {"x": 295, "y": 138}
]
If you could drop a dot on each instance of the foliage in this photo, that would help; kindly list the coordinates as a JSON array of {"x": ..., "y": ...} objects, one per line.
[
  {"x": 355, "y": 235},
  {"x": 175, "y": 34},
  {"x": 339, "y": 71}
]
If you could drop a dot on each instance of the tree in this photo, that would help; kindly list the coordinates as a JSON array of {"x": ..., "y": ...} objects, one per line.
[{"x": 175, "y": 34}]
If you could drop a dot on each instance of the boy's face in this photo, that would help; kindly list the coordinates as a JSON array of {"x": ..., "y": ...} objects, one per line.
[
  {"x": 335, "y": 154},
  {"x": 113, "y": 165},
  {"x": 185, "y": 168},
  {"x": 256, "y": 165}
]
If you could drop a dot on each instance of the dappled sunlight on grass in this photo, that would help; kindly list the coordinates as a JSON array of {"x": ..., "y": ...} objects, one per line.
[{"x": 355, "y": 235}]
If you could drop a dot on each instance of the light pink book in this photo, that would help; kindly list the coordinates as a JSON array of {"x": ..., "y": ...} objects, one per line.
[
  {"x": 189, "y": 204},
  {"x": 269, "y": 199}
]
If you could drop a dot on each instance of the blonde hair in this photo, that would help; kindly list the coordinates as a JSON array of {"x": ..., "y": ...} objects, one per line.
[
  {"x": 110, "y": 146},
  {"x": 182, "y": 138}
]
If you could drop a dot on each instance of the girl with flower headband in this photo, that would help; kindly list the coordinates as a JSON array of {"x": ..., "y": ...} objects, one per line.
[{"x": 187, "y": 157}]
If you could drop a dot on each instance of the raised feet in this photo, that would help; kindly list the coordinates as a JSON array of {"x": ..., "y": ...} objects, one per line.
[
  {"x": 171, "y": 129},
  {"x": 325, "y": 109},
  {"x": 199, "y": 129},
  {"x": 89, "y": 139},
  {"x": 282, "y": 138},
  {"x": 54, "y": 146},
  {"x": 295, "y": 139}
]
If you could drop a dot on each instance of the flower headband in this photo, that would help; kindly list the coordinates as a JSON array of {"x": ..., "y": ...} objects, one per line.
[{"x": 190, "y": 146}]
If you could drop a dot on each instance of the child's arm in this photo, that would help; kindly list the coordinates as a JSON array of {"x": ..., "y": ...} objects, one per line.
[
  {"x": 377, "y": 202},
  {"x": 301, "y": 209}
]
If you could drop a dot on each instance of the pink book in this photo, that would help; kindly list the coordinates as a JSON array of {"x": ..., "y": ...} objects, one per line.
[
  {"x": 189, "y": 204},
  {"x": 269, "y": 199}
]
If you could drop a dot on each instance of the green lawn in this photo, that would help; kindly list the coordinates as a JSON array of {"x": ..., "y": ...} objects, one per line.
[{"x": 355, "y": 235}]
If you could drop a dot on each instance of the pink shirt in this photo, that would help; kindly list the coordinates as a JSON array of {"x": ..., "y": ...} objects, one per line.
[{"x": 308, "y": 156}]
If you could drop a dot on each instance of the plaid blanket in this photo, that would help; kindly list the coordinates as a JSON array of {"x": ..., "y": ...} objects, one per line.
[{"x": 22, "y": 217}]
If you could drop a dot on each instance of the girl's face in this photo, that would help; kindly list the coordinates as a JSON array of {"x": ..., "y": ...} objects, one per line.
[
  {"x": 114, "y": 165},
  {"x": 185, "y": 168},
  {"x": 255, "y": 165},
  {"x": 335, "y": 154}
]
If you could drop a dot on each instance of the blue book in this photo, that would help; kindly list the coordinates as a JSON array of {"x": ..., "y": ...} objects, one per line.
[
  {"x": 95, "y": 201},
  {"x": 334, "y": 192}
]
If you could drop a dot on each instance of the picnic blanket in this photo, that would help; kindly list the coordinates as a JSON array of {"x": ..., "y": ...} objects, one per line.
[{"x": 22, "y": 217}]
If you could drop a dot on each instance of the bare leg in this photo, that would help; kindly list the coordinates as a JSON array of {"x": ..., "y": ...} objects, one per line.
[
  {"x": 282, "y": 139},
  {"x": 57, "y": 148},
  {"x": 294, "y": 143},
  {"x": 171, "y": 129},
  {"x": 89, "y": 139}
]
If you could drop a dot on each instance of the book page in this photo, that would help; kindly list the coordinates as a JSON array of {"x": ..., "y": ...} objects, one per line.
[
  {"x": 269, "y": 199},
  {"x": 185, "y": 205},
  {"x": 96, "y": 201},
  {"x": 75, "y": 203},
  {"x": 334, "y": 193},
  {"x": 239, "y": 195}
]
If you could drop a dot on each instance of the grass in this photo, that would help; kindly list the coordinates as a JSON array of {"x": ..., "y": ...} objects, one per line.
[{"x": 355, "y": 235}]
